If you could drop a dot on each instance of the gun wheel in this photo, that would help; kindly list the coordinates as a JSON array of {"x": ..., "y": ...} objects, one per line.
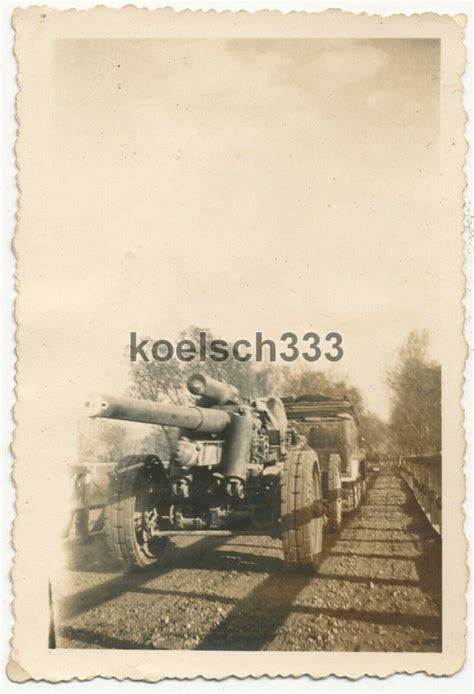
[
  {"x": 302, "y": 512},
  {"x": 130, "y": 520}
]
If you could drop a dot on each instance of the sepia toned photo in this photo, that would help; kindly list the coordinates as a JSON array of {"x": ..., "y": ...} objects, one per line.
[
  {"x": 240, "y": 345},
  {"x": 301, "y": 522}
]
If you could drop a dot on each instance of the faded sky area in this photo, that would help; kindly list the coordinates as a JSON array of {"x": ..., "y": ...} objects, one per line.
[{"x": 246, "y": 185}]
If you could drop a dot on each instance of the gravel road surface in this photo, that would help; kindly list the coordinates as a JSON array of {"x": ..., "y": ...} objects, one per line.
[{"x": 378, "y": 589}]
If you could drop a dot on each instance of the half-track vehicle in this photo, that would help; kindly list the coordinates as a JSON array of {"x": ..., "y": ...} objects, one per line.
[{"x": 237, "y": 468}]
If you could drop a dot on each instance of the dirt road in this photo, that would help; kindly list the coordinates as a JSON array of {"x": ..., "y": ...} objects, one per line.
[{"x": 378, "y": 589}]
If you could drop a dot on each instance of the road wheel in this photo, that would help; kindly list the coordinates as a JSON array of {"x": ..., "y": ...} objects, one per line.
[
  {"x": 130, "y": 517},
  {"x": 302, "y": 512},
  {"x": 334, "y": 494}
]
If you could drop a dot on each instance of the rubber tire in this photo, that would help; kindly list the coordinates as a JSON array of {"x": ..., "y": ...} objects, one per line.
[
  {"x": 119, "y": 522},
  {"x": 301, "y": 491},
  {"x": 335, "y": 511}
]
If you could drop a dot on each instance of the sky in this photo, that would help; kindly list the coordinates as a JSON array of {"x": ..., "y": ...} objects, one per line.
[{"x": 244, "y": 185}]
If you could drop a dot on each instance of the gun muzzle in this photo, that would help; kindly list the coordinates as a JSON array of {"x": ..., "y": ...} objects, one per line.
[{"x": 219, "y": 392}]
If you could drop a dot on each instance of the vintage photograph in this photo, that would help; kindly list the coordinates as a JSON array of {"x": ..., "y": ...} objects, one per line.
[{"x": 241, "y": 281}]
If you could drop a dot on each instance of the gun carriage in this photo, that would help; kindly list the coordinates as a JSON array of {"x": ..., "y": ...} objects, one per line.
[{"x": 237, "y": 467}]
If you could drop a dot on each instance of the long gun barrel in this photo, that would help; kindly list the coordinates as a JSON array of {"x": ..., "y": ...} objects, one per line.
[{"x": 191, "y": 417}]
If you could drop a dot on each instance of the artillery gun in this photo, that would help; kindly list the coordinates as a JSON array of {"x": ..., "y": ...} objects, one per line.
[{"x": 237, "y": 468}]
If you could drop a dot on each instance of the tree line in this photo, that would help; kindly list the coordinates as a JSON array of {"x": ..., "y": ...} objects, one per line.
[
  {"x": 414, "y": 382},
  {"x": 415, "y": 387}
]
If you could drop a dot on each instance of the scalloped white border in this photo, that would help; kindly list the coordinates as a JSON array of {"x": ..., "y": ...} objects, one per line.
[{"x": 9, "y": 194}]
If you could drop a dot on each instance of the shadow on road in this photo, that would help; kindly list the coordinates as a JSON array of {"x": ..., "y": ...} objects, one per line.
[
  {"x": 108, "y": 590},
  {"x": 254, "y": 619},
  {"x": 272, "y": 600}
]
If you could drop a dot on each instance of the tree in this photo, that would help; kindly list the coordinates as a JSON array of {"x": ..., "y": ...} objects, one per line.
[
  {"x": 113, "y": 441},
  {"x": 309, "y": 381},
  {"x": 158, "y": 442},
  {"x": 166, "y": 381},
  {"x": 376, "y": 434},
  {"x": 415, "y": 382},
  {"x": 103, "y": 441}
]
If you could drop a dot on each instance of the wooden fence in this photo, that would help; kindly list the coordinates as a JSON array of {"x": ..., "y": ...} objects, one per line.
[{"x": 422, "y": 473}]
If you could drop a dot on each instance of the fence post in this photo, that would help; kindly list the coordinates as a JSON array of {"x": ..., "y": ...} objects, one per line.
[{"x": 422, "y": 473}]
